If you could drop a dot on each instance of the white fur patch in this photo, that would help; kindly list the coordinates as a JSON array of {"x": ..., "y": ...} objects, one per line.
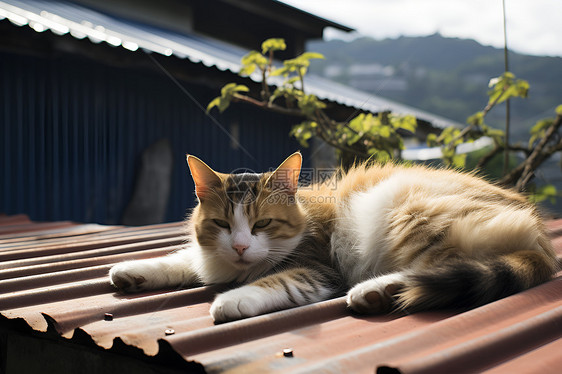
[
  {"x": 359, "y": 241},
  {"x": 176, "y": 269}
]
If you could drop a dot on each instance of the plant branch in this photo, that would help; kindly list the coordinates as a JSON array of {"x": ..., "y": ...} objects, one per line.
[
  {"x": 325, "y": 123},
  {"x": 472, "y": 125},
  {"x": 267, "y": 105},
  {"x": 497, "y": 150},
  {"x": 266, "y": 94},
  {"x": 537, "y": 157},
  {"x": 301, "y": 78},
  {"x": 489, "y": 156},
  {"x": 523, "y": 173}
]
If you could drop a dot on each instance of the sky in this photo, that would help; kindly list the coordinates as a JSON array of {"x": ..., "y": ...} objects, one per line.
[{"x": 533, "y": 26}]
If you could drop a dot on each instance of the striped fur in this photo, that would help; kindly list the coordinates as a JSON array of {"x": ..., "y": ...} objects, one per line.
[{"x": 393, "y": 237}]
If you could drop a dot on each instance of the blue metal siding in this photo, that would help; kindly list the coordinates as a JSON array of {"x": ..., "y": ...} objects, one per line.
[{"x": 73, "y": 131}]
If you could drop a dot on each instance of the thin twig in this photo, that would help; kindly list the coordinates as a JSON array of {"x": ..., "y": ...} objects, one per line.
[
  {"x": 489, "y": 156},
  {"x": 474, "y": 124},
  {"x": 538, "y": 156},
  {"x": 266, "y": 94},
  {"x": 267, "y": 105},
  {"x": 498, "y": 149}
]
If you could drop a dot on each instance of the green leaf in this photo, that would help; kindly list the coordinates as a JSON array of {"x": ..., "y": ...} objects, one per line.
[
  {"x": 541, "y": 126},
  {"x": 227, "y": 92},
  {"x": 559, "y": 110},
  {"x": 538, "y": 130},
  {"x": 311, "y": 55},
  {"x": 273, "y": 44},
  {"x": 459, "y": 160},
  {"x": 447, "y": 136},
  {"x": 309, "y": 104},
  {"x": 506, "y": 87},
  {"x": 301, "y": 61},
  {"x": 215, "y": 102},
  {"x": 545, "y": 192},
  {"x": 223, "y": 104},
  {"x": 241, "y": 88},
  {"x": 384, "y": 131},
  {"x": 476, "y": 119},
  {"x": 247, "y": 69},
  {"x": 407, "y": 122},
  {"x": 381, "y": 156},
  {"x": 280, "y": 71},
  {"x": 229, "y": 89},
  {"x": 353, "y": 138},
  {"x": 252, "y": 60},
  {"x": 303, "y": 139},
  {"x": 448, "y": 153},
  {"x": 254, "y": 57},
  {"x": 491, "y": 132},
  {"x": 431, "y": 140},
  {"x": 303, "y": 132},
  {"x": 220, "y": 102},
  {"x": 357, "y": 123},
  {"x": 293, "y": 80}
]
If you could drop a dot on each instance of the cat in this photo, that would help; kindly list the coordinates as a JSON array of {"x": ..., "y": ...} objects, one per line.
[{"x": 393, "y": 237}]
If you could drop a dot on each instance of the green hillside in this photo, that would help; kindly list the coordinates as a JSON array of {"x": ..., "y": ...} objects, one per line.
[{"x": 446, "y": 76}]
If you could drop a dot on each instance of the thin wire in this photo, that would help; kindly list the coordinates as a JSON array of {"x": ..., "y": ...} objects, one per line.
[
  {"x": 507, "y": 103},
  {"x": 192, "y": 98}
]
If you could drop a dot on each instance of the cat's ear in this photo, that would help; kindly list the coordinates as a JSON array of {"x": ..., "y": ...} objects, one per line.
[
  {"x": 204, "y": 177},
  {"x": 286, "y": 176}
]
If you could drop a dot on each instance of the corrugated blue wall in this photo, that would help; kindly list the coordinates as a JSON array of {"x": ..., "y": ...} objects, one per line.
[{"x": 73, "y": 130}]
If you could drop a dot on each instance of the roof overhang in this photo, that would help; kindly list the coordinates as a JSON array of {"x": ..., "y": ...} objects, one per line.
[
  {"x": 295, "y": 17},
  {"x": 84, "y": 23}
]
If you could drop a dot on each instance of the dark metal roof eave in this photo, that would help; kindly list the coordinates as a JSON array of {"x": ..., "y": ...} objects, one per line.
[
  {"x": 84, "y": 23},
  {"x": 277, "y": 8}
]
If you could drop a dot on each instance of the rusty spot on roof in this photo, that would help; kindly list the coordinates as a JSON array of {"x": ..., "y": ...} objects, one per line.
[{"x": 55, "y": 275}]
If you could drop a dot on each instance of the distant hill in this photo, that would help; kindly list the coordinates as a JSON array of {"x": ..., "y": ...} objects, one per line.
[{"x": 445, "y": 76}]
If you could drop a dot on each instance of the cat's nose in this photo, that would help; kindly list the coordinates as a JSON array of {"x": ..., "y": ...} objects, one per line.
[{"x": 240, "y": 248}]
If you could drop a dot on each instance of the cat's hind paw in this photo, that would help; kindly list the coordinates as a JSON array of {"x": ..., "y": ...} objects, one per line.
[{"x": 375, "y": 295}]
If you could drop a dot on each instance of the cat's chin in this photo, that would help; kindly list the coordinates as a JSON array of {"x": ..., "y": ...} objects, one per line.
[{"x": 242, "y": 263}]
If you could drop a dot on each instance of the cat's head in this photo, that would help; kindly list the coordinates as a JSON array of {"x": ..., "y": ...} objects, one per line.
[{"x": 247, "y": 219}]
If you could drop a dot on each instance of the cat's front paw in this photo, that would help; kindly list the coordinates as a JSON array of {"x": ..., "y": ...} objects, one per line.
[
  {"x": 375, "y": 295},
  {"x": 129, "y": 277},
  {"x": 243, "y": 302}
]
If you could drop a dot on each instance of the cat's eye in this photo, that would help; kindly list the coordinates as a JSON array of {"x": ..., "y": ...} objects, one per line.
[
  {"x": 221, "y": 223},
  {"x": 262, "y": 223}
]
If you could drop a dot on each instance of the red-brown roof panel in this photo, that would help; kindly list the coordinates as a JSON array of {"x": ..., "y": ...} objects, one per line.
[
  {"x": 56, "y": 275},
  {"x": 546, "y": 359}
]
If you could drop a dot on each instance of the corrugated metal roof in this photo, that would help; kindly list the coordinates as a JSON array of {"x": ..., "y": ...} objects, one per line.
[
  {"x": 81, "y": 22},
  {"x": 55, "y": 276}
]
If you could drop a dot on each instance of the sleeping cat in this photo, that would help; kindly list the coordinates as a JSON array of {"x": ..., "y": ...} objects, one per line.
[{"x": 392, "y": 237}]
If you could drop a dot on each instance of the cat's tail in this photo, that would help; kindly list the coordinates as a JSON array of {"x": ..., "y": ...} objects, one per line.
[{"x": 466, "y": 284}]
